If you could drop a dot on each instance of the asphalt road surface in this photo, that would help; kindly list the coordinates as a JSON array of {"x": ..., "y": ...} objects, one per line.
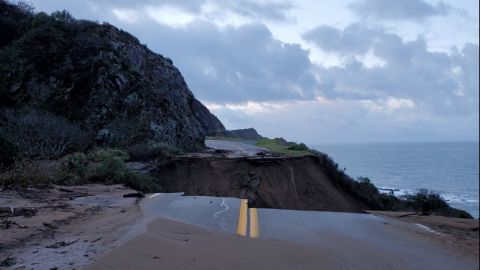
[
  {"x": 241, "y": 148},
  {"x": 357, "y": 241},
  {"x": 215, "y": 213}
]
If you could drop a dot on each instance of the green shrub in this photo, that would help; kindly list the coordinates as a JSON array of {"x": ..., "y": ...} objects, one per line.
[
  {"x": 151, "y": 150},
  {"x": 73, "y": 169},
  {"x": 109, "y": 154},
  {"x": 390, "y": 202},
  {"x": 425, "y": 201},
  {"x": 298, "y": 147},
  {"x": 22, "y": 173},
  {"x": 138, "y": 181},
  {"x": 40, "y": 134},
  {"x": 106, "y": 166},
  {"x": 279, "y": 145}
]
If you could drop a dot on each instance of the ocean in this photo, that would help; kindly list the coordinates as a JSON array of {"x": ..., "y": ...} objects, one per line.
[{"x": 450, "y": 169}]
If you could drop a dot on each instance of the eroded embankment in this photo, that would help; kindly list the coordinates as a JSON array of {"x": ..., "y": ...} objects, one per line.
[{"x": 287, "y": 183}]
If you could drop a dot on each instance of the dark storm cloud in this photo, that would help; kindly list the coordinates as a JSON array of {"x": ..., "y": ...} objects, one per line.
[
  {"x": 397, "y": 10},
  {"x": 235, "y": 64}
]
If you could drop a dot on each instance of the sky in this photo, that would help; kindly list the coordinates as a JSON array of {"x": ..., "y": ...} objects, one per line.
[{"x": 336, "y": 71}]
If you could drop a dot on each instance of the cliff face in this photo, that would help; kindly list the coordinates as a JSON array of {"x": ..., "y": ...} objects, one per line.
[
  {"x": 209, "y": 122},
  {"x": 98, "y": 77}
]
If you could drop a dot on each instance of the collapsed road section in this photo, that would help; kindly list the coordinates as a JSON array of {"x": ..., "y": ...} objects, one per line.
[{"x": 302, "y": 183}]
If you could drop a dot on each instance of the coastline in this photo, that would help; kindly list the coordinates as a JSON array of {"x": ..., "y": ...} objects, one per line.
[{"x": 448, "y": 168}]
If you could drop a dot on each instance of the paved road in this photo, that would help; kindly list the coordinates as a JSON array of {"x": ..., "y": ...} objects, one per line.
[
  {"x": 362, "y": 241},
  {"x": 242, "y": 148},
  {"x": 359, "y": 241},
  {"x": 215, "y": 213}
]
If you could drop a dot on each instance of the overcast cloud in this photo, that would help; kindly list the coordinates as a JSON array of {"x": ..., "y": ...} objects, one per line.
[
  {"x": 398, "y": 10},
  {"x": 444, "y": 82},
  {"x": 236, "y": 64},
  {"x": 360, "y": 78}
]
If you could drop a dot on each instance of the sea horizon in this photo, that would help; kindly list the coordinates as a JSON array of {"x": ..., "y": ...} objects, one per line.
[{"x": 391, "y": 142}]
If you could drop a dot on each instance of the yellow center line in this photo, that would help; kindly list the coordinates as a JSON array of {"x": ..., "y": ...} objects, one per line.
[
  {"x": 242, "y": 218},
  {"x": 254, "y": 228}
]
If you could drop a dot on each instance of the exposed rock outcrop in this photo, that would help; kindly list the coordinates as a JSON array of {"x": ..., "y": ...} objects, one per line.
[
  {"x": 210, "y": 123},
  {"x": 99, "y": 77}
]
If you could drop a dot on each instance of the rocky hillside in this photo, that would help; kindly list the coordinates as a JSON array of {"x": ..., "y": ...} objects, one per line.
[
  {"x": 210, "y": 123},
  {"x": 98, "y": 78}
]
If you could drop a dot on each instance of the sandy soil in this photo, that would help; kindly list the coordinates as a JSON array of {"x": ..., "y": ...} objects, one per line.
[
  {"x": 173, "y": 245},
  {"x": 63, "y": 227},
  {"x": 459, "y": 235}
]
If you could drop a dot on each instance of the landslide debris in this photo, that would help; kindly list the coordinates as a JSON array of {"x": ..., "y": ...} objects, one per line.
[
  {"x": 310, "y": 182},
  {"x": 306, "y": 183}
]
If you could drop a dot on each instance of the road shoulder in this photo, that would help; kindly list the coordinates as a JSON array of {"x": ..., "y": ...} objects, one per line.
[{"x": 458, "y": 235}]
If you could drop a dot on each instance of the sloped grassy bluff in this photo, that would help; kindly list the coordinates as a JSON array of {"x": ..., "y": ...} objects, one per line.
[{"x": 93, "y": 78}]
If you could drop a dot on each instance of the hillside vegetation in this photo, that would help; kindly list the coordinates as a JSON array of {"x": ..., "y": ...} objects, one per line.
[{"x": 279, "y": 145}]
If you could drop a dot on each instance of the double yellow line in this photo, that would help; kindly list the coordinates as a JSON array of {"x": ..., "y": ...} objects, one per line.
[
  {"x": 254, "y": 230},
  {"x": 242, "y": 220}
]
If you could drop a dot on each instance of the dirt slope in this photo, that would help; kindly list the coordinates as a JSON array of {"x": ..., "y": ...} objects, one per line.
[{"x": 287, "y": 183}]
